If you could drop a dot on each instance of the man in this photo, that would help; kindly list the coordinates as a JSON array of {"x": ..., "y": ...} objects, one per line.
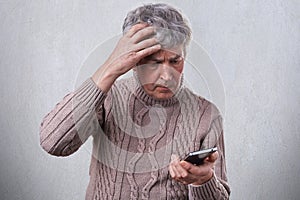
[{"x": 143, "y": 126}]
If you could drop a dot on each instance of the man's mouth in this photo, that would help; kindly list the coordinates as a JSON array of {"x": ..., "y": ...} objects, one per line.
[{"x": 163, "y": 88}]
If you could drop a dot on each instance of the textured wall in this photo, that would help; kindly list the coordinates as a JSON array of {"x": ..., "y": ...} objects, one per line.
[{"x": 255, "y": 46}]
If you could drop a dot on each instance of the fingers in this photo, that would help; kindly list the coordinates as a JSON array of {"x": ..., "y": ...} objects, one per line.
[
  {"x": 178, "y": 173},
  {"x": 148, "y": 51},
  {"x": 140, "y": 32},
  {"x": 193, "y": 169},
  {"x": 186, "y": 165},
  {"x": 188, "y": 173},
  {"x": 146, "y": 43},
  {"x": 134, "y": 29},
  {"x": 136, "y": 44},
  {"x": 139, "y": 39},
  {"x": 145, "y": 33}
]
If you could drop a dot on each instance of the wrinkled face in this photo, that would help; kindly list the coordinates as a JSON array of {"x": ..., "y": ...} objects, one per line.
[{"x": 160, "y": 72}]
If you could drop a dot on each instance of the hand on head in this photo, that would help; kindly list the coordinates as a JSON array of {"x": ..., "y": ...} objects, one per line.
[{"x": 135, "y": 44}]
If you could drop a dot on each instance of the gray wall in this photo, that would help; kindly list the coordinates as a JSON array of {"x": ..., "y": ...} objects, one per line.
[{"x": 255, "y": 47}]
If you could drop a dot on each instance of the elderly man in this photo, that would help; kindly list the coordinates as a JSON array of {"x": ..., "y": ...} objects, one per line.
[{"x": 142, "y": 126}]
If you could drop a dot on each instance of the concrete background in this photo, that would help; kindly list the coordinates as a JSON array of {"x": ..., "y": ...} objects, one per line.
[{"x": 255, "y": 46}]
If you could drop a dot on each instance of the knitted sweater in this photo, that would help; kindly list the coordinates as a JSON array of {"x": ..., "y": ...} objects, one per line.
[{"x": 134, "y": 137}]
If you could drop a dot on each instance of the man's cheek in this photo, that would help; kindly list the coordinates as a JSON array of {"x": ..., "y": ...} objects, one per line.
[{"x": 179, "y": 69}]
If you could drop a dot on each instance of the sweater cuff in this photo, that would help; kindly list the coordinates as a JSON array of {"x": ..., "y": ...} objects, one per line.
[
  {"x": 89, "y": 95},
  {"x": 212, "y": 189}
]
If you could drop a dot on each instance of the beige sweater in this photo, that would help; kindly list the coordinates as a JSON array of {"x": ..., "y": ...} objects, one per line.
[{"x": 134, "y": 137}]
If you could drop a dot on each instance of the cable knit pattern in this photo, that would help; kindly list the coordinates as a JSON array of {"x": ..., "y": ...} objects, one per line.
[{"x": 134, "y": 137}]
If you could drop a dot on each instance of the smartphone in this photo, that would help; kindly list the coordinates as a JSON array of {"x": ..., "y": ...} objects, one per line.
[{"x": 197, "y": 157}]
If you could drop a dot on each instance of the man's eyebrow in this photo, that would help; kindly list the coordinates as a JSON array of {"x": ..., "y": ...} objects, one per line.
[
  {"x": 153, "y": 58},
  {"x": 176, "y": 57}
]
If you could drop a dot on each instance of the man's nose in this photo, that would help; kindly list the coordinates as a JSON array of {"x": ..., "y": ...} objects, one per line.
[{"x": 166, "y": 72}]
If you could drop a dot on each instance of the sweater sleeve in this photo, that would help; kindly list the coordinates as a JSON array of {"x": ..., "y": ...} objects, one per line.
[
  {"x": 72, "y": 120},
  {"x": 217, "y": 187},
  {"x": 214, "y": 189}
]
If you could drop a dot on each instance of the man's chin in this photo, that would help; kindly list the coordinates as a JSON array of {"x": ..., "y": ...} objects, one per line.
[{"x": 163, "y": 95}]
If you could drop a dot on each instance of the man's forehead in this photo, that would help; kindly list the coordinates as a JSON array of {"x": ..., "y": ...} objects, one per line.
[{"x": 170, "y": 53}]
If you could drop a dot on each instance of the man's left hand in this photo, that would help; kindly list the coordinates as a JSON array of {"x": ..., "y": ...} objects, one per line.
[{"x": 188, "y": 173}]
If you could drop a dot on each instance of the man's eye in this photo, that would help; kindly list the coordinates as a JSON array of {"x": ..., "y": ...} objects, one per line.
[
  {"x": 174, "y": 62},
  {"x": 154, "y": 62}
]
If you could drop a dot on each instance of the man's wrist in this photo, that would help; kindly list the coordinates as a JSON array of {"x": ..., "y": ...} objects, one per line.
[
  {"x": 104, "y": 80},
  {"x": 204, "y": 179}
]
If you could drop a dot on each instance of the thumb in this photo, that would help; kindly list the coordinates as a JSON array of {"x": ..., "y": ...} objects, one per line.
[
  {"x": 213, "y": 157},
  {"x": 186, "y": 165}
]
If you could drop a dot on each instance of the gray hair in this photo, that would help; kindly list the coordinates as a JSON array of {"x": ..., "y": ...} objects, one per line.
[{"x": 172, "y": 28}]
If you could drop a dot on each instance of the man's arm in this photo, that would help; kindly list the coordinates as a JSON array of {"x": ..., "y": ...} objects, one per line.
[
  {"x": 74, "y": 119},
  {"x": 209, "y": 180},
  {"x": 216, "y": 187}
]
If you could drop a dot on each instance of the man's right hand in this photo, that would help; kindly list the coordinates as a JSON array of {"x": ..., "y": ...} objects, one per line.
[{"x": 136, "y": 44}]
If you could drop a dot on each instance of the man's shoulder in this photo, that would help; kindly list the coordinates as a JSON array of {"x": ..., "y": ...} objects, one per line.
[
  {"x": 125, "y": 82},
  {"x": 123, "y": 85},
  {"x": 189, "y": 94}
]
